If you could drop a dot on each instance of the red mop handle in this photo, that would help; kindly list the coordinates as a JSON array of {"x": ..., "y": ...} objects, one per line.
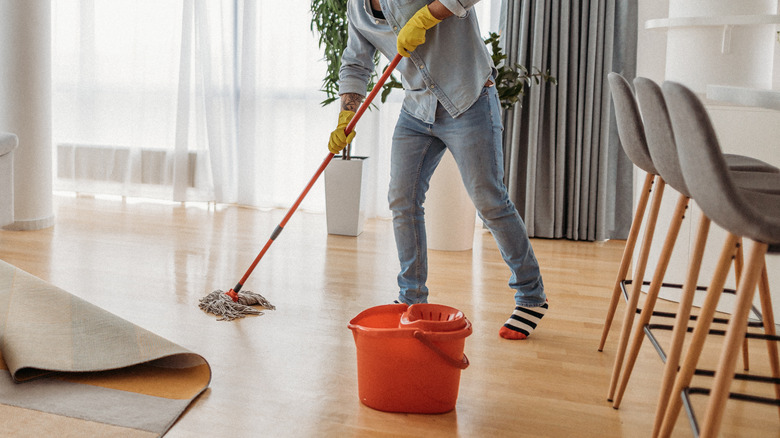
[{"x": 350, "y": 127}]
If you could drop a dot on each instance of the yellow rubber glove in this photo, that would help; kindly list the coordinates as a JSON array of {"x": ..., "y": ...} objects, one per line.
[
  {"x": 338, "y": 139},
  {"x": 413, "y": 33}
]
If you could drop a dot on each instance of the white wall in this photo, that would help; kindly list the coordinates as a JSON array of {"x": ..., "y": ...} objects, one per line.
[
  {"x": 651, "y": 43},
  {"x": 776, "y": 76}
]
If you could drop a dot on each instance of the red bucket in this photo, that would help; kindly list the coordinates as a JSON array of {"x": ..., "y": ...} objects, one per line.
[{"x": 409, "y": 358}]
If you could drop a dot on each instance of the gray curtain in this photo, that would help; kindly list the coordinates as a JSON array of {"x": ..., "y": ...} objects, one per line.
[{"x": 565, "y": 169}]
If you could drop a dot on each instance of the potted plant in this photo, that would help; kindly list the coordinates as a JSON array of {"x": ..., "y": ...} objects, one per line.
[{"x": 345, "y": 176}]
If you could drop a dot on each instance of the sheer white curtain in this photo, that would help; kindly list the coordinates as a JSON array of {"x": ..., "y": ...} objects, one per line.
[{"x": 202, "y": 100}]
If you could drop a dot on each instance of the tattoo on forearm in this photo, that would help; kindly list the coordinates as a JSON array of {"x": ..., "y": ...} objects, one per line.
[{"x": 350, "y": 101}]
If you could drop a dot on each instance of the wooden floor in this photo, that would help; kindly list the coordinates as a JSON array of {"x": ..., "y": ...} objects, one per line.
[{"x": 292, "y": 372}]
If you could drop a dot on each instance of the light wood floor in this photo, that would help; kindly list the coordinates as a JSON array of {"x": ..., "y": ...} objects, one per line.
[{"x": 292, "y": 372}]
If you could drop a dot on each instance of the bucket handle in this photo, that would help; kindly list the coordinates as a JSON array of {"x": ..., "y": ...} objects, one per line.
[{"x": 461, "y": 364}]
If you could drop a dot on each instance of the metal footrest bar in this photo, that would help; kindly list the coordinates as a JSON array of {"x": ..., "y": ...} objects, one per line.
[
  {"x": 738, "y": 396},
  {"x": 695, "y": 390},
  {"x": 740, "y": 376},
  {"x": 716, "y": 332}
]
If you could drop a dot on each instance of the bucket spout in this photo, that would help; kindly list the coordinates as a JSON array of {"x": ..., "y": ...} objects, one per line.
[{"x": 433, "y": 317}]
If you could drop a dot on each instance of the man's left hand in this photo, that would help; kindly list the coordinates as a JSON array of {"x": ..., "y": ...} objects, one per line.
[{"x": 413, "y": 33}]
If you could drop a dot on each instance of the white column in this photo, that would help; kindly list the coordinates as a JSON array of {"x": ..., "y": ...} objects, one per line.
[
  {"x": 25, "y": 106},
  {"x": 450, "y": 216}
]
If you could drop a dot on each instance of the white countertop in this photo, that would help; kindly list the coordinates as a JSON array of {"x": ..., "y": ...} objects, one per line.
[{"x": 754, "y": 97}]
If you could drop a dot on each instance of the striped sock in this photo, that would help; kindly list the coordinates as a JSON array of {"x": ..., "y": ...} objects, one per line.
[{"x": 523, "y": 322}]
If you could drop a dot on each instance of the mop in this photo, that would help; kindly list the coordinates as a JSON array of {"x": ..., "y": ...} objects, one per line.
[
  {"x": 234, "y": 303},
  {"x": 221, "y": 304}
]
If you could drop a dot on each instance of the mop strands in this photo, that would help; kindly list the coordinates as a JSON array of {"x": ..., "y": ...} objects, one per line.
[
  {"x": 235, "y": 304},
  {"x": 221, "y": 304}
]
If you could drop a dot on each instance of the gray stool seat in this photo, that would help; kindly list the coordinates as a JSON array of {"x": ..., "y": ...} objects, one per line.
[
  {"x": 748, "y": 164},
  {"x": 742, "y": 212},
  {"x": 758, "y": 218},
  {"x": 629, "y": 123},
  {"x": 757, "y": 181}
]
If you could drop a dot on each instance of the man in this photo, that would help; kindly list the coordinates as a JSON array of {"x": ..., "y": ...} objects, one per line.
[{"x": 450, "y": 103}]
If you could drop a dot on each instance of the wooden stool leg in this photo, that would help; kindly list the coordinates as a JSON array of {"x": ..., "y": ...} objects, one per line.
[
  {"x": 636, "y": 285},
  {"x": 681, "y": 322},
  {"x": 768, "y": 318},
  {"x": 735, "y": 335},
  {"x": 738, "y": 264},
  {"x": 628, "y": 253},
  {"x": 700, "y": 332},
  {"x": 652, "y": 296}
]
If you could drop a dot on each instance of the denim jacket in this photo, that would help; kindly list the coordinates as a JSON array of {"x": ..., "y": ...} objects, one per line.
[{"x": 451, "y": 67}]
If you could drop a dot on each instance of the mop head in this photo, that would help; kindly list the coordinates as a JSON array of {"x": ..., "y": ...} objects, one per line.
[{"x": 220, "y": 304}]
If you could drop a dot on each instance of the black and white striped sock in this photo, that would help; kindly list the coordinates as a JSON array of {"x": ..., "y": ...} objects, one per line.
[{"x": 523, "y": 322}]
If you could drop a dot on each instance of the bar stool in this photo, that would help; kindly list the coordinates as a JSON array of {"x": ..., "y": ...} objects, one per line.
[
  {"x": 658, "y": 142},
  {"x": 633, "y": 138},
  {"x": 663, "y": 151},
  {"x": 751, "y": 214}
]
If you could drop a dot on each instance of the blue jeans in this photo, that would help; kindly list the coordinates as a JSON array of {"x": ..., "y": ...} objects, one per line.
[{"x": 474, "y": 139}]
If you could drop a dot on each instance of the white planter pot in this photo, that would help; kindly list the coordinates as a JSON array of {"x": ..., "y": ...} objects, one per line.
[
  {"x": 344, "y": 199},
  {"x": 450, "y": 216}
]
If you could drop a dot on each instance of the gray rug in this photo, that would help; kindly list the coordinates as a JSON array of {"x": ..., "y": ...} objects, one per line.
[{"x": 71, "y": 368}]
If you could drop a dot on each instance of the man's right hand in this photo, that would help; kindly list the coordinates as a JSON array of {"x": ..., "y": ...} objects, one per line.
[{"x": 338, "y": 138}]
